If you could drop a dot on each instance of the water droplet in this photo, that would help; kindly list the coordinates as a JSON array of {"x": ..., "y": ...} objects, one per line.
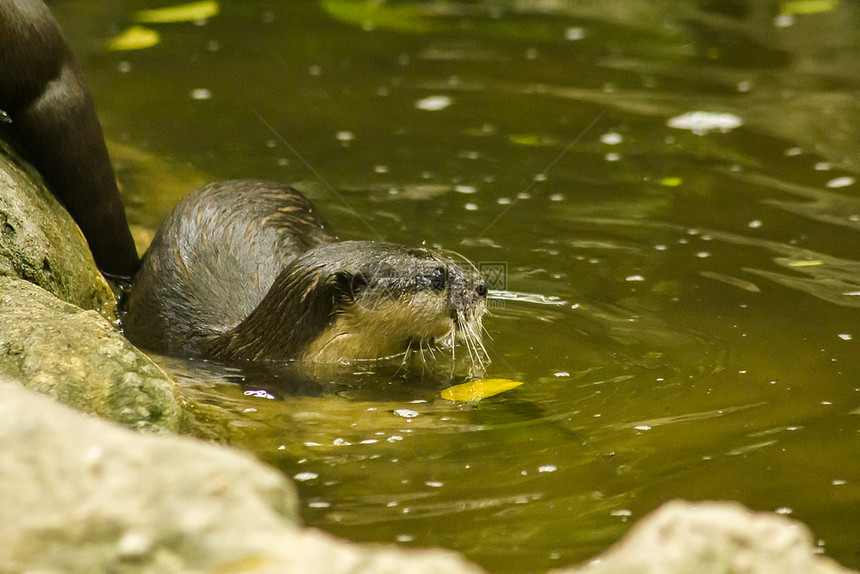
[
  {"x": 840, "y": 182},
  {"x": 611, "y": 138},
  {"x": 201, "y": 94},
  {"x": 305, "y": 476},
  {"x": 573, "y": 34},
  {"x": 701, "y": 123},
  {"x": 433, "y": 103}
]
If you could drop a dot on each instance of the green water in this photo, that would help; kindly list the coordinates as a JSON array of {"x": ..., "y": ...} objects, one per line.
[{"x": 682, "y": 307}]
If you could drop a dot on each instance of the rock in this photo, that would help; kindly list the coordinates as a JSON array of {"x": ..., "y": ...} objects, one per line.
[
  {"x": 82, "y": 495},
  {"x": 712, "y": 537},
  {"x": 39, "y": 241},
  {"x": 78, "y": 358}
]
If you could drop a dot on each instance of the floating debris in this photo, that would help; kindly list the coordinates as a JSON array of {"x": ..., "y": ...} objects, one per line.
[{"x": 701, "y": 123}]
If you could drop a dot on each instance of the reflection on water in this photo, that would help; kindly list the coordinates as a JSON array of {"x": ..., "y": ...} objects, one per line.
[{"x": 679, "y": 299}]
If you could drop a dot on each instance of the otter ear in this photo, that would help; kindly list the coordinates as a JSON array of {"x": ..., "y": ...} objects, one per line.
[{"x": 351, "y": 285}]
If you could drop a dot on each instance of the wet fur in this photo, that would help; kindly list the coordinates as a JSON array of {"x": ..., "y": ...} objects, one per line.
[
  {"x": 54, "y": 125},
  {"x": 247, "y": 270}
]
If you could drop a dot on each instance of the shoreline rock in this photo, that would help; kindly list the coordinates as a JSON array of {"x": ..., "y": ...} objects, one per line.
[
  {"x": 708, "y": 537},
  {"x": 80, "y": 359},
  {"x": 78, "y": 494},
  {"x": 40, "y": 243}
]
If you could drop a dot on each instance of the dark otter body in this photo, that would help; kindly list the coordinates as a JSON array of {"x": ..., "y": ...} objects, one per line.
[
  {"x": 240, "y": 270},
  {"x": 247, "y": 270},
  {"x": 44, "y": 95}
]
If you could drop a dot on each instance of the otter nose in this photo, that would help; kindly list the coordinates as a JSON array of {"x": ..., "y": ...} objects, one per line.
[{"x": 481, "y": 289}]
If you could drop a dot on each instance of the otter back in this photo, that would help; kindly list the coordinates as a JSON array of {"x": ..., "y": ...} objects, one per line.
[{"x": 213, "y": 260}]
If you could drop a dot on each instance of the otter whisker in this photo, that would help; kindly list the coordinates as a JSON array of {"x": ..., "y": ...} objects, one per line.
[
  {"x": 463, "y": 258},
  {"x": 432, "y": 349},
  {"x": 474, "y": 343},
  {"x": 406, "y": 355},
  {"x": 486, "y": 332},
  {"x": 467, "y": 336},
  {"x": 423, "y": 356}
]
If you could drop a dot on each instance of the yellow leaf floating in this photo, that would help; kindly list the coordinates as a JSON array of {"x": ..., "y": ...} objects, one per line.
[
  {"x": 135, "y": 38},
  {"x": 477, "y": 390},
  {"x": 182, "y": 13},
  {"x": 671, "y": 181},
  {"x": 791, "y": 7}
]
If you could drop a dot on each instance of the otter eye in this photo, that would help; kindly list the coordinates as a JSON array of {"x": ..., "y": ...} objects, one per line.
[
  {"x": 357, "y": 284},
  {"x": 481, "y": 289},
  {"x": 439, "y": 279}
]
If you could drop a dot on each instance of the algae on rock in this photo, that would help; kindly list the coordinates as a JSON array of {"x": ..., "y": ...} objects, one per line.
[
  {"x": 40, "y": 243},
  {"x": 80, "y": 359}
]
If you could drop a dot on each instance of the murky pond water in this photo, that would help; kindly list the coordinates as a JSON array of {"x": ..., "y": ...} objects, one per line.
[{"x": 679, "y": 294}]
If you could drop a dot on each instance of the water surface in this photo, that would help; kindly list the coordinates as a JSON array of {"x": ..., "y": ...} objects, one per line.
[{"x": 680, "y": 300}]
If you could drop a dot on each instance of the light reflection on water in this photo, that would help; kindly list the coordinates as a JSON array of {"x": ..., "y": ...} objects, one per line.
[{"x": 681, "y": 308}]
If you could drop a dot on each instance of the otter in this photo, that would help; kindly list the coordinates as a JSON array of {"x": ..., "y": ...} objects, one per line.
[
  {"x": 51, "y": 117},
  {"x": 248, "y": 270},
  {"x": 240, "y": 270}
]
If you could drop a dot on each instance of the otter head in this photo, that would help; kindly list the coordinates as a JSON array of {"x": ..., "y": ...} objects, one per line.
[
  {"x": 362, "y": 300},
  {"x": 394, "y": 299}
]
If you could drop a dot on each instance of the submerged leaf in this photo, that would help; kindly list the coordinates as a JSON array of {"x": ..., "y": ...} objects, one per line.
[
  {"x": 477, "y": 390},
  {"x": 182, "y": 13},
  {"x": 532, "y": 140},
  {"x": 135, "y": 38},
  {"x": 789, "y": 7},
  {"x": 379, "y": 15}
]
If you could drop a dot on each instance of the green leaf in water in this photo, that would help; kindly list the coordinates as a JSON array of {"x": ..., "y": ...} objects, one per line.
[
  {"x": 532, "y": 140},
  {"x": 671, "y": 181},
  {"x": 372, "y": 15},
  {"x": 135, "y": 38},
  {"x": 787, "y": 7},
  {"x": 477, "y": 390},
  {"x": 182, "y": 13}
]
